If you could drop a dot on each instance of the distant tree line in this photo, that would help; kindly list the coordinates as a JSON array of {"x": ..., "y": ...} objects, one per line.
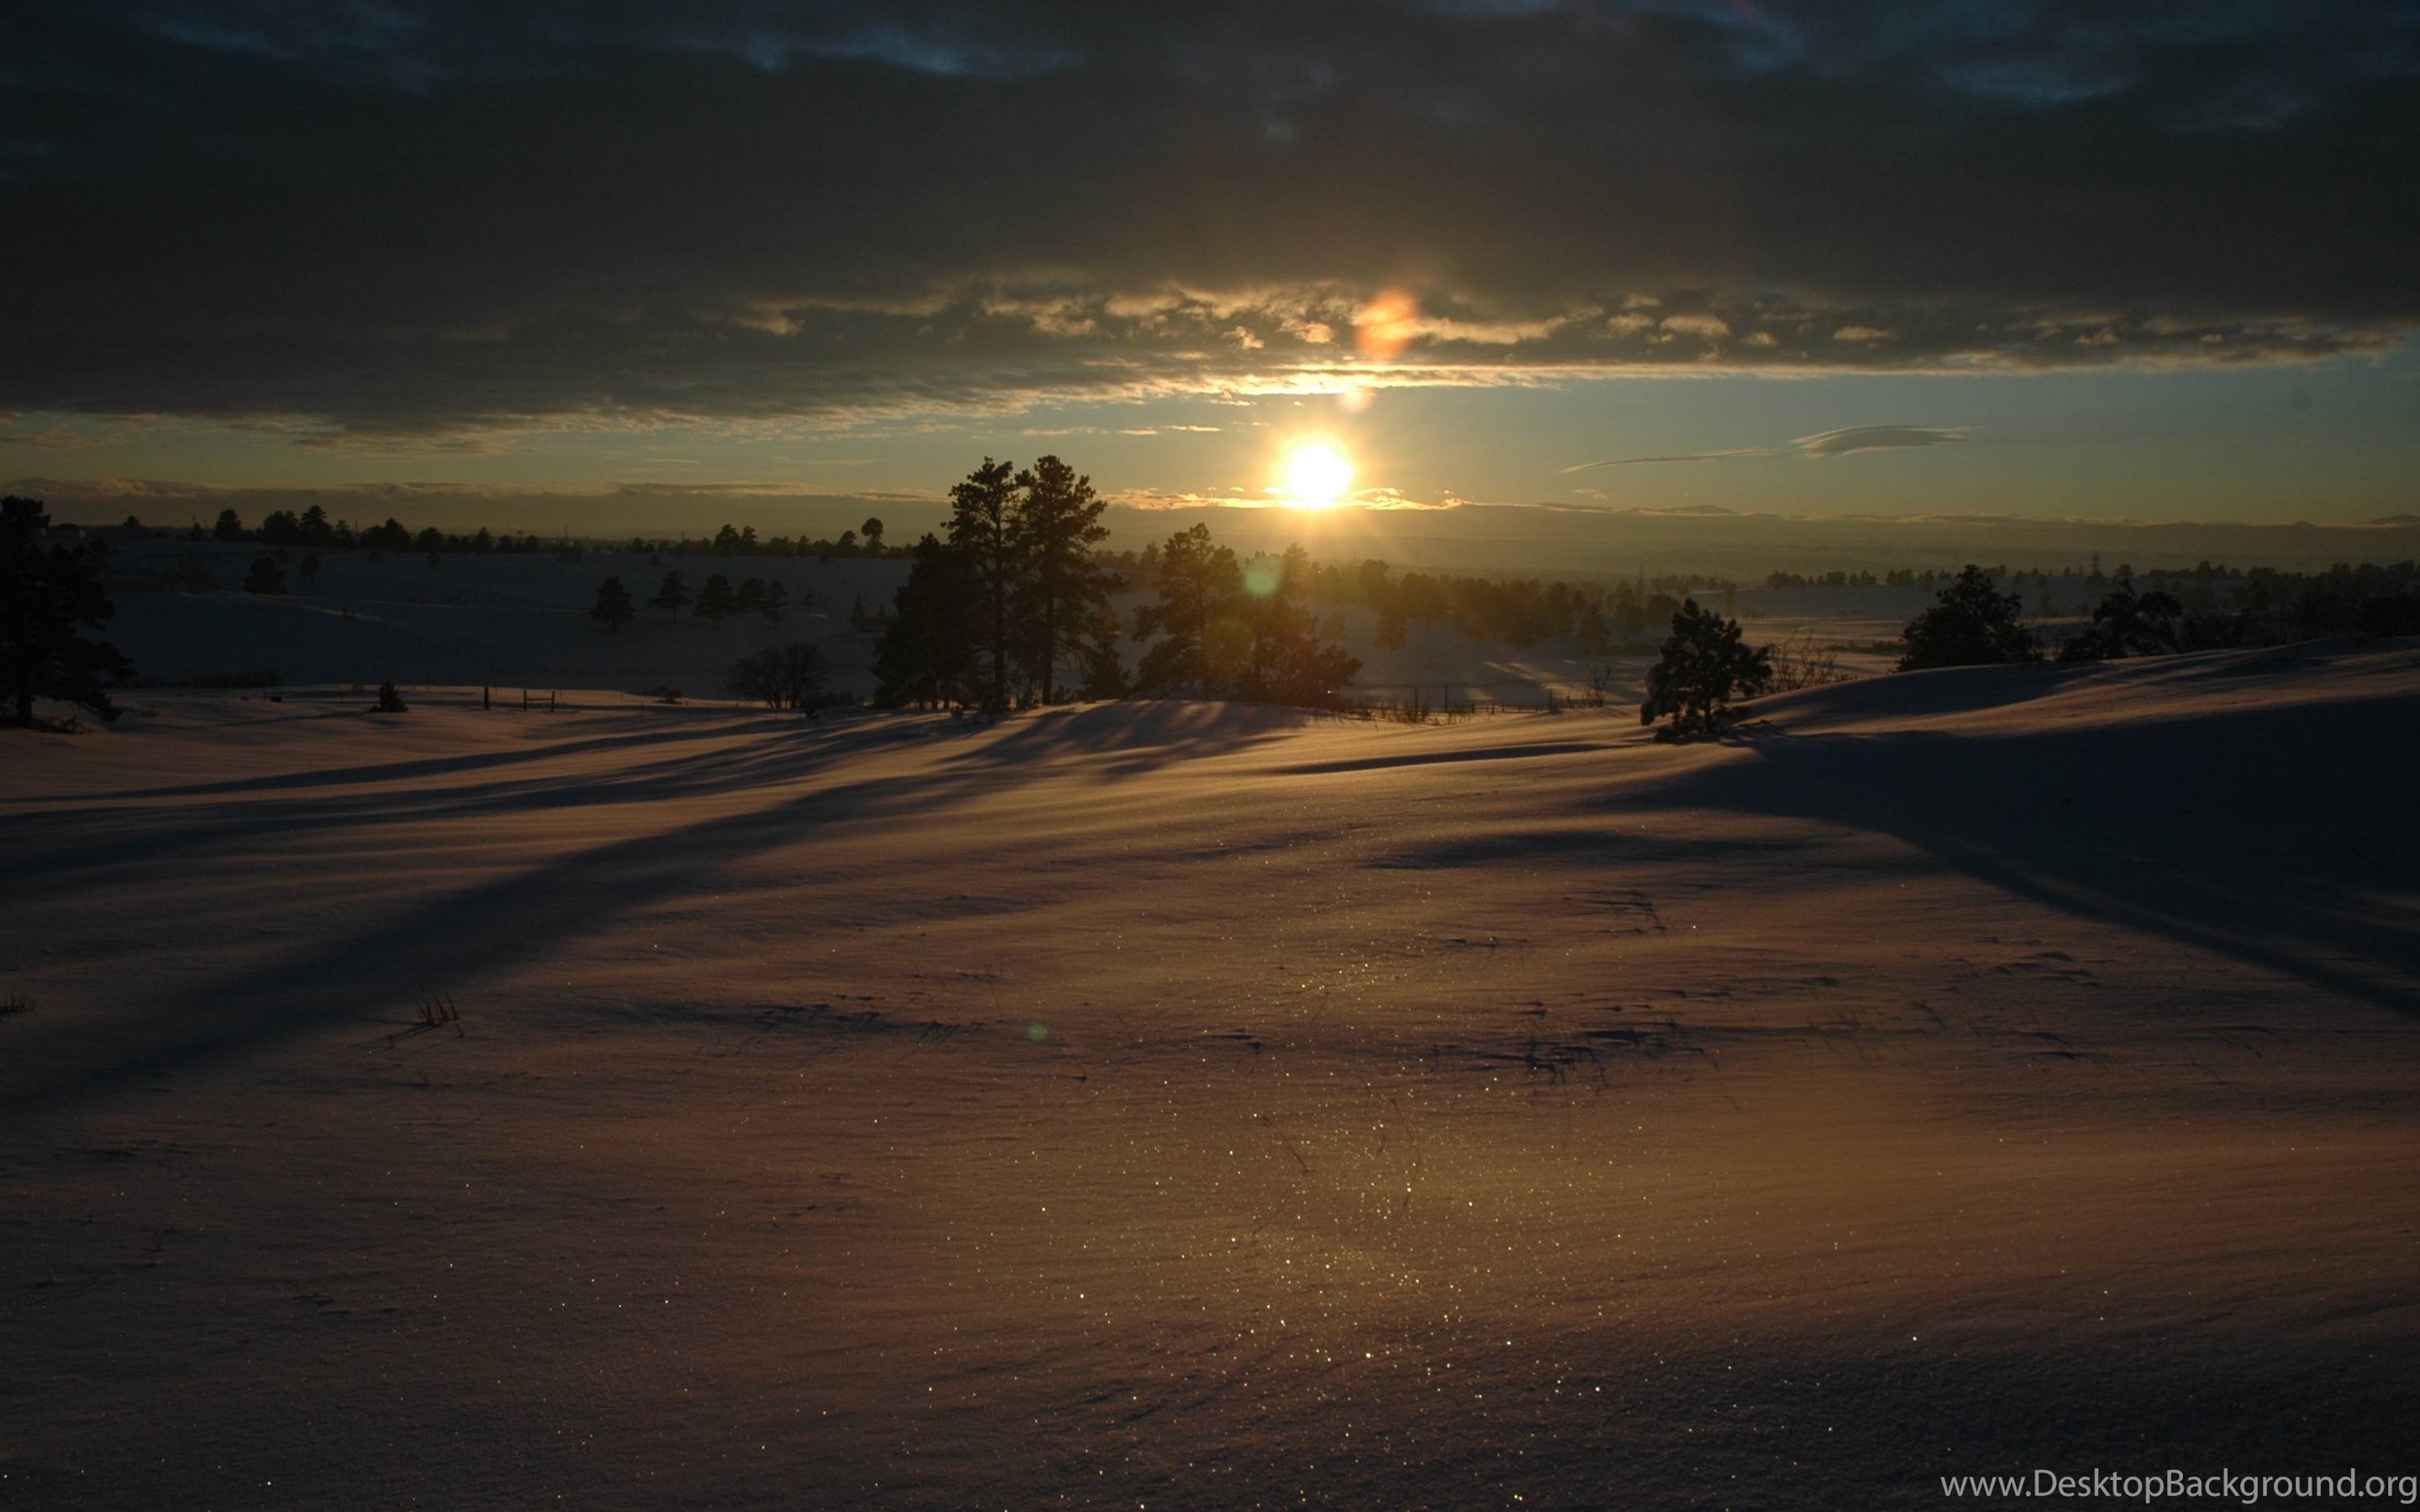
[
  {"x": 1514, "y": 612},
  {"x": 1842, "y": 579},
  {"x": 714, "y": 600},
  {"x": 1974, "y": 623},
  {"x": 2217, "y": 608},
  {"x": 864, "y": 541},
  {"x": 312, "y": 528},
  {"x": 1704, "y": 663},
  {"x": 2217, "y": 605},
  {"x": 1011, "y": 606}
]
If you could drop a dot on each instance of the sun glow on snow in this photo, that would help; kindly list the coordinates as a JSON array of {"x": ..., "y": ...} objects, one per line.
[{"x": 1317, "y": 474}]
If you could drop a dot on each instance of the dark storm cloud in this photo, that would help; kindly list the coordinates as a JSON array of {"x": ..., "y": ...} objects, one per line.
[{"x": 401, "y": 216}]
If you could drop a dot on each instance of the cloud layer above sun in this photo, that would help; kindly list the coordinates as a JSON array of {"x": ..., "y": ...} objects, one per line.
[{"x": 425, "y": 218}]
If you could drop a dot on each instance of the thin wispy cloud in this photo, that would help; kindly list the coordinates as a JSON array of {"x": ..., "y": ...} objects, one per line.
[
  {"x": 1732, "y": 454},
  {"x": 1831, "y": 443},
  {"x": 1819, "y": 446}
]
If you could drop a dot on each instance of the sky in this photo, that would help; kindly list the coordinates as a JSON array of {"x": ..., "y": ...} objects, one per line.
[{"x": 2068, "y": 260}]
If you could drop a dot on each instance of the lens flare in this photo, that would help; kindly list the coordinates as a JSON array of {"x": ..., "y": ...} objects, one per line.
[
  {"x": 1316, "y": 475},
  {"x": 1386, "y": 324}
]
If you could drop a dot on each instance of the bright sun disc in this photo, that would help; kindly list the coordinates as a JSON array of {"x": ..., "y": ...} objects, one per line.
[{"x": 1317, "y": 475}]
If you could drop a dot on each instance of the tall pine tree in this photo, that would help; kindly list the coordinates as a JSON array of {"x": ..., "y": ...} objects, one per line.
[
  {"x": 716, "y": 602},
  {"x": 1199, "y": 584},
  {"x": 928, "y": 653},
  {"x": 613, "y": 608},
  {"x": 46, "y": 595},
  {"x": 673, "y": 596},
  {"x": 984, "y": 531},
  {"x": 1055, "y": 524}
]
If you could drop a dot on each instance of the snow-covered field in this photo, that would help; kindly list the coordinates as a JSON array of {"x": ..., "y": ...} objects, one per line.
[{"x": 1174, "y": 1106}]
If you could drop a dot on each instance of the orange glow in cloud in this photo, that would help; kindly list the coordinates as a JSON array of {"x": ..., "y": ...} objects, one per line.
[{"x": 1384, "y": 325}]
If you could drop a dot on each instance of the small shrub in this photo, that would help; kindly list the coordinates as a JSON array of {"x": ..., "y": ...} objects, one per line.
[
  {"x": 1799, "y": 662},
  {"x": 187, "y": 575},
  {"x": 780, "y": 677},
  {"x": 1600, "y": 682},
  {"x": 390, "y": 701}
]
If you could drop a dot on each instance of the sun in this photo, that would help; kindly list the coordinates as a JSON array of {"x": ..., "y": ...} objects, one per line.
[{"x": 1317, "y": 474}]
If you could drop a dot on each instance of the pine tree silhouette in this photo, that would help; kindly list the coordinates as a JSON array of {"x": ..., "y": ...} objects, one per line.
[
  {"x": 1105, "y": 672},
  {"x": 613, "y": 608},
  {"x": 716, "y": 602},
  {"x": 1703, "y": 667},
  {"x": 673, "y": 596},
  {"x": 1972, "y": 625},
  {"x": 47, "y": 597},
  {"x": 983, "y": 526},
  {"x": 2126, "y": 623},
  {"x": 1056, "y": 522},
  {"x": 931, "y": 651},
  {"x": 1199, "y": 585},
  {"x": 1291, "y": 661}
]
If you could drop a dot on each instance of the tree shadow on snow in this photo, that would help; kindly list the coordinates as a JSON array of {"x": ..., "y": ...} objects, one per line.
[
  {"x": 444, "y": 942},
  {"x": 1126, "y": 739},
  {"x": 73, "y": 849}
]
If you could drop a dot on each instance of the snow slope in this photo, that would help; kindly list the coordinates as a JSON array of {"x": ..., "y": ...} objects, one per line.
[{"x": 1205, "y": 1106}]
